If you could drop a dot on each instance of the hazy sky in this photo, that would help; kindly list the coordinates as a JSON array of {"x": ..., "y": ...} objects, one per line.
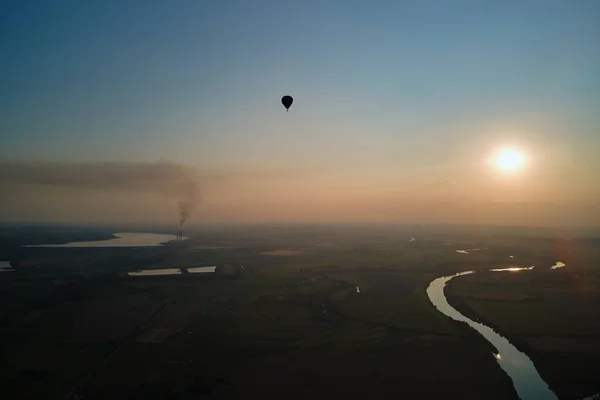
[{"x": 398, "y": 105}]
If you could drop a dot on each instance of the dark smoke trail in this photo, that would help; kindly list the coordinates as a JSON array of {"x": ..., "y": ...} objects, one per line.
[
  {"x": 169, "y": 179},
  {"x": 184, "y": 213},
  {"x": 187, "y": 202}
]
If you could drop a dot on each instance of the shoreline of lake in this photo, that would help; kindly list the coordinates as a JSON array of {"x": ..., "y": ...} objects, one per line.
[{"x": 119, "y": 239}]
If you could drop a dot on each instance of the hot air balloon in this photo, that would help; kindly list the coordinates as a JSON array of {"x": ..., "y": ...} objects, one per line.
[{"x": 287, "y": 102}]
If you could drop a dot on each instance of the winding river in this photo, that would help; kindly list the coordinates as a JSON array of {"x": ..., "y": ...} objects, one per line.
[{"x": 527, "y": 381}]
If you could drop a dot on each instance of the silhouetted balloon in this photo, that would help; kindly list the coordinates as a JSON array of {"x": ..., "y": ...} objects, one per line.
[{"x": 287, "y": 102}]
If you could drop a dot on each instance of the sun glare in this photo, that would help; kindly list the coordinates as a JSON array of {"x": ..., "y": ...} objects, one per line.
[{"x": 509, "y": 160}]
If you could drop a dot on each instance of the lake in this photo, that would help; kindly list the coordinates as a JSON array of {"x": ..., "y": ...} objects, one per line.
[
  {"x": 558, "y": 265},
  {"x": 122, "y": 240},
  {"x": 202, "y": 270},
  {"x": 5, "y": 266},
  {"x": 156, "y": 272},
  {"x": 467, "y": 251},
  {"x": 172, "y": 271}
]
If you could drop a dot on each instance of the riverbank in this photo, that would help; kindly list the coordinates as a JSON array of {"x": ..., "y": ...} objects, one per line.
[
  {"x": 571, "y": 373},
  {"x": 516, "y": 364}
]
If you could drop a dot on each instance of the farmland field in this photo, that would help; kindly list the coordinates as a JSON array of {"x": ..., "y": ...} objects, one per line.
[{"x": 348, "y": 318}]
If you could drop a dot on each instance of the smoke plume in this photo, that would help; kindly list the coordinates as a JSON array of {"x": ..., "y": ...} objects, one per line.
[
  {"x": 165, "y": 178},
  {"x": 188, "y": 199}
]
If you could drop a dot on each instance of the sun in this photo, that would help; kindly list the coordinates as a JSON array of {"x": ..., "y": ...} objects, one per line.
[{"x": 509, "y": 160}]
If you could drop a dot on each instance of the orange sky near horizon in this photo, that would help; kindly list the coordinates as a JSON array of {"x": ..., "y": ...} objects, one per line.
[{"x": 442, "y": 194}]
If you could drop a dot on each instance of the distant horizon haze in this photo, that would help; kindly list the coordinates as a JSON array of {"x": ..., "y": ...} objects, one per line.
[{"x": 130, "y": 110}]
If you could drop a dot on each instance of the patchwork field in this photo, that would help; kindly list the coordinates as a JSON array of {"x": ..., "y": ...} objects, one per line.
[{"x": 349, "y": 320}]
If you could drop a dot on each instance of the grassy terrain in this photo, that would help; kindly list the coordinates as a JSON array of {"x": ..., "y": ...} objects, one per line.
[
  {"x": 288, "y": 325},
  {"x": 549, "y": 314}
]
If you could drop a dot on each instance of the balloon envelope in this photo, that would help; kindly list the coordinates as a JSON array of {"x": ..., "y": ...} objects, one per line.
[{"x": 287, "y": 101}]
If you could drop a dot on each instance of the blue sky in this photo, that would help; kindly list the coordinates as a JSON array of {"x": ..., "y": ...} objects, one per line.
[{"x": 403, "y": 83}]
